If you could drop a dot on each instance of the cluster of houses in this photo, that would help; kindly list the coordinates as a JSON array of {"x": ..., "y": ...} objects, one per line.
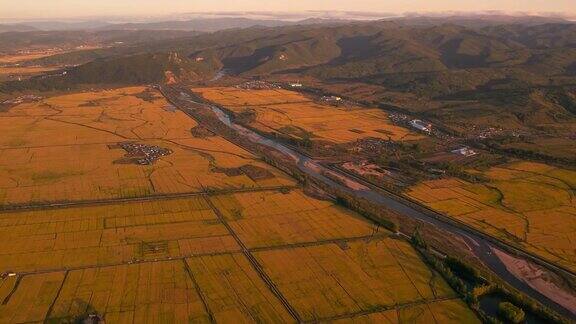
[
  {"x": 22, "y": 99},
  {"x": 144, "y": 154}
]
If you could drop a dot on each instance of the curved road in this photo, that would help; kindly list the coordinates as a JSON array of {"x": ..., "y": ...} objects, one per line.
[{"x": 481, "y": 247}]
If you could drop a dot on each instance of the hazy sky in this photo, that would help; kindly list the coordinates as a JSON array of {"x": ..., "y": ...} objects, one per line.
[{"x": 27, "y": 9}]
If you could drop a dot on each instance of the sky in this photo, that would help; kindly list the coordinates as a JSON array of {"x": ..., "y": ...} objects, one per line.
[{"x": 42, "y": 9}]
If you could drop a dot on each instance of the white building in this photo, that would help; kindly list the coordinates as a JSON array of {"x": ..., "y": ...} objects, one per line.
[
  {"x": 465, "y": 151},
  {"x": 420, "y": 125}
]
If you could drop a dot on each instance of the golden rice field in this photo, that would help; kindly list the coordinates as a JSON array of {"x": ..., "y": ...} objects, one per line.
[
  {"x": 110, "y": 234},
  {"x": 331, "y": 280},
  {"x": 233, "y": 291},
  {"x": 530, "y": 204},
  {"x": 444, "y": 311},
  {"x": 173, "y": 261},
  {"x": 290, "y": 113},
  {"x": 61, "y": 149},
  {"x": 264, "y": 219},
  {"x": 25, "y": 70},
  {"x": 260, "y": 256},
  {"x": 156, "y": 292}
]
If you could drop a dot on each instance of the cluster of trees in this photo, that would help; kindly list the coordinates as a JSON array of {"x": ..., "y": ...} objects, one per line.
[
  {"x": 246, "y": 116},
  {"x": 495, "y": 146},
  {"x": 455, "y": 270},
  {"x": 511, "y": 313},
  {"x": 459, "y": 171}
]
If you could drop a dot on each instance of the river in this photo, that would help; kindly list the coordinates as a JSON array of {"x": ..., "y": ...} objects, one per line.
[{"x": 478, "y": 245}]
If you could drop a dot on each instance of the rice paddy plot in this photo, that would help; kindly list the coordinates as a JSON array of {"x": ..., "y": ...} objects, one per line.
[
  {"x": 110, "y": 234},
  {"x": 439, "y": 312},
  {"x": 69, "y": 148},
  {"x": 234, "y": 292},
  {"x": 291, "y": 114},
  {"x": 272, "y": 218},
  {"x": 528, "y": 204},
  {"x": 154, "y": 292},
  {"x": 29, "y": 301},
  {"x": 326, "y": 281}
]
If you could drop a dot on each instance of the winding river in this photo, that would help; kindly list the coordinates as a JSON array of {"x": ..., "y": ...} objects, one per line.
[{"x": 487, "y": 252}]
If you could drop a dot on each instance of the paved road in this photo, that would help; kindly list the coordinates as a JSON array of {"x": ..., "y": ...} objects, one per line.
[{"x": 480, "y": 246}]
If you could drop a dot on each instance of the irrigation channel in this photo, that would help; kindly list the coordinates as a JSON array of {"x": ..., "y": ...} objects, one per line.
[{"x": 483, "y": 247}]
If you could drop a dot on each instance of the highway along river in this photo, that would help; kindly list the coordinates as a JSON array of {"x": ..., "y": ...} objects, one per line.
[{"x": 486, "y": 251}]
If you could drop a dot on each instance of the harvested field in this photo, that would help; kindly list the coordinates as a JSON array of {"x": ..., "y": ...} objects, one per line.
[
  {"x": 23, "y": 57},
  {"x": 530, "y": 204},
  {"x": 292, "y": 114},
  {"x": 24, "y": 71},
  {"x": 62, "y": 149}
]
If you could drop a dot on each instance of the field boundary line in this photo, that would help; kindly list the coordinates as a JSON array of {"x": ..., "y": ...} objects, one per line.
[
  {"x": 198, "y": 291},
  {"x": 199, "y": 255},
  {"x": 257, "y": 267},
  {"x": 51, "y": 308},
  {"x": 87, "y": 203},
  {"x": 320, "y": 242},
  {"x": 117, "y": 264},
  {"x": 16, "y": 284},
  {"x": 382, "y": 309}
]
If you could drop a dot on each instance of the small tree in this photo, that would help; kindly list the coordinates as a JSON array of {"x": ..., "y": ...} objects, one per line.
[
  {"x": 510, "y": 312},
  {"x": 418, "y": 240}
]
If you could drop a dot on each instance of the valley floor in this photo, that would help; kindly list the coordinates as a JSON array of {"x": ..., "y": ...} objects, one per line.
[{"x": 204, "y": 232}]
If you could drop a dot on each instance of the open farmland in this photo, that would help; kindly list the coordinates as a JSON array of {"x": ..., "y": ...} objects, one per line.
[
  {"x": 66, "y": 148},
  {"x": 27, "y": 56},
  {"x": 264, "y": 219},
  {"x": 12, "y": 73},
  {"x": 328, "y": 281},
  {"x": 129, "y": 214},
  {"x": 292, "y": 114},
  {"x": 528, "y": 204},
  {"x": 283, "y": 257}
]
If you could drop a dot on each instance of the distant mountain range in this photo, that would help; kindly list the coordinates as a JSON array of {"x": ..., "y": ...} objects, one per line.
[
  {"x": 523, "y": 68},
  {"x": 197, "y": 24},
  {"x": 204, "y": 25},
  {"x": 215, "y": 22},
  {"x": 15, "y": 28}
]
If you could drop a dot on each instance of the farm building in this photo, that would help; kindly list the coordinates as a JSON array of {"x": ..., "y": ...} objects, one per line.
[
  {"x": 420, "y": 125},
  {"x": 465, "y": 151}
]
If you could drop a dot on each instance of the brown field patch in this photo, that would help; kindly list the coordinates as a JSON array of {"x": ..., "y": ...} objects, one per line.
[{"x": 25, "y": 70}]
